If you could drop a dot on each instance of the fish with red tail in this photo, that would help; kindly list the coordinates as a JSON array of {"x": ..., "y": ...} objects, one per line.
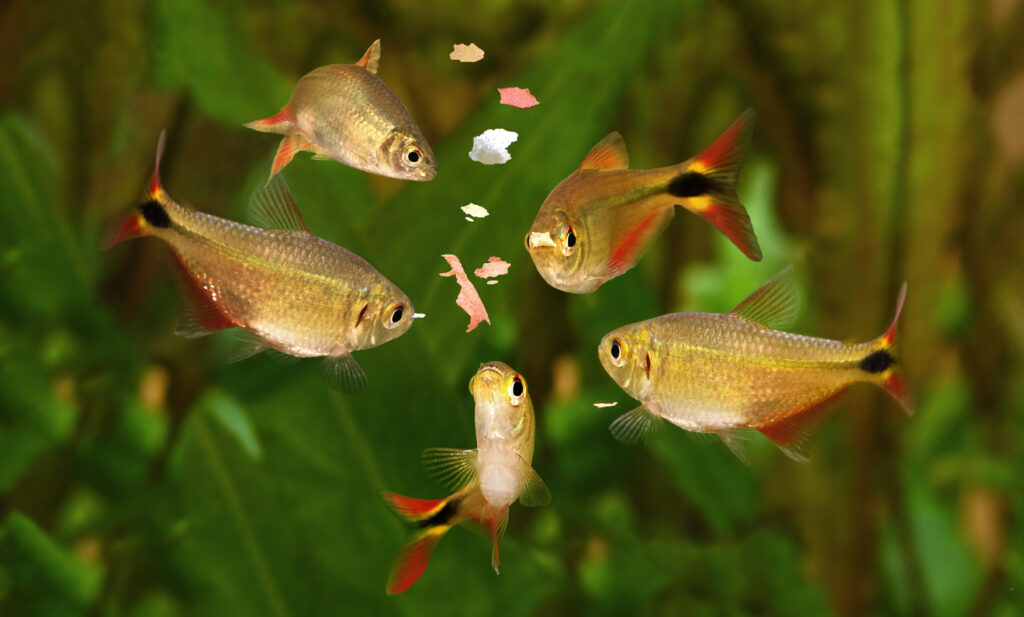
[
  {"x": 598, "y": 222},
  {"x": 292, "y": 291},
  {"x": 346, "y": 113},
  {"x": 485, "y": 481},
  {"x": 729, "y": 373}
]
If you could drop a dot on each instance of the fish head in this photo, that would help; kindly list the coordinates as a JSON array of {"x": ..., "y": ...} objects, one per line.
[
  {"x": 624, "y": 355},
  {"x": 386, "y": 314},
  {"x": 406, "y": 155},
  {"x": 504, "y": 411},
  {"x": 557, "y": 243}
]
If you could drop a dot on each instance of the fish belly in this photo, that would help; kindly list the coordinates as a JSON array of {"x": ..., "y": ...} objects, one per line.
[{"x": 498, "y": 470}]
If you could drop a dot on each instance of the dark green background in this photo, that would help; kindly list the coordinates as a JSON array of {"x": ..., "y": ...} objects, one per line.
[{"x": 141, "y": 475}]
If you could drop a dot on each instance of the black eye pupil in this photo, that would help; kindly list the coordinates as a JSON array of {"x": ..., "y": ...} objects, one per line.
[
  {"x": 615, "y": 350},
  {"x": 570, "y": 239},
  {"x": 414, "y": 156},
  {"x": 397, "y": 315},
  {"x": 517, "y": 387}
]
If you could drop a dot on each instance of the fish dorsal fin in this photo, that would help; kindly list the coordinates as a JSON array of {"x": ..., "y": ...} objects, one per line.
[
  {"x": 371, "y": 58},
  {"x": 609, "y": 153},
  {"x": 535, "y": 492},
  {"x": 451, "y": 467},
  {"x": 344, "y": 373},
  {"x": 636, "y": 426},
  {"x": 775, "y": 305},
  {"x": 273, "y": 207}
]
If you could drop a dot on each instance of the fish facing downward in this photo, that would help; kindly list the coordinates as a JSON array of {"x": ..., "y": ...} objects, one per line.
[
  {"x": 485, "y": 481},
  {"x": 727, "y": 373},
  {"x": 294, "y": 292},
  {"x": 598, "y": 222},
  {"x": 346, "y": 113}
]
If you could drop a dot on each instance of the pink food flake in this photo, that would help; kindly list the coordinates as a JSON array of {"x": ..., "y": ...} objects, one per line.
[
  {"x": 495, "y": 266},
  {"x": 468, "y": 300},
  {"x": 466, "y": 53},
  {"x": 517, "y": 97}
]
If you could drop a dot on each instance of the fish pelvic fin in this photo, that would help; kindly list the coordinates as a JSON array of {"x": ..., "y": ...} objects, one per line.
[
  {"x": 151, "y": 211},
  {"x": 882, "y": 363},
  {"x": 707, "y": 185},
  {"x": 290, "y": 146},
  {"x": 433, "y": 518},
  {"x": 371, "y": 58},
  {"x": 343, "y": 373},
  {"x": 282, "y": 122}
]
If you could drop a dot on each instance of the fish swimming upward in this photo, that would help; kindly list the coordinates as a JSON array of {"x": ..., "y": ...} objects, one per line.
[
  {"x": 294, "y": 292},
  {"x": 346, "y": 113},
  {"x": 728, "y": 373},
  {"x": 486, "y": 481},
  {"x": 598, "y": 222}
]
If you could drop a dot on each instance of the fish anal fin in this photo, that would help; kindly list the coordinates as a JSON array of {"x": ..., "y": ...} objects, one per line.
[
  {"x": 343, "y": 373},
  {"x": 775, "y": 304},
  {"x": 636, "y": 426},
  {"x": 290, "y": 146},
  {"x": 630, "y": 245},
  {"x": 273, "y": 207},
  {"x": 452, "y": 467},
  {"x": 792, "y": 434},
  {"x": 609, "y": 153},
  {"x": 535, "y": 492},
  {"x": 371, "y": 58},
  {"x": 282, "y": 122},
  {"x": 200, "y": 314},
  {"x": 413, "y": 559}
]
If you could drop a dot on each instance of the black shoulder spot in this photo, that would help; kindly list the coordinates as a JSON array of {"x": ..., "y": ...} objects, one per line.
[
  {"x": 876, "y": 361},
  {"x": 154, "y": 213},
  {"x": 691, "y": 184}
]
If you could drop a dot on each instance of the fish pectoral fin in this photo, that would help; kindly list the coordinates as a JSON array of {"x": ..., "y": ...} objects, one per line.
[
  {"x": 344, "y": 373},
  {"x": 273, "y": 207},
  {"x": 636, "y": 426},
  {"x": 775, "y": 304},
  {"x": 371, "y": 58},
  {"x": 451, "y": 467},
  {"x": 322, "y": 156},
  {"x": 535, "y": 492},
  {"x": 609, "y": 153},
  {"x": 738, "y": 440}
]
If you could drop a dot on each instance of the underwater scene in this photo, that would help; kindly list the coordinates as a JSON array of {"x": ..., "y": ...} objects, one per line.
[{"x": 511, "y": 308}]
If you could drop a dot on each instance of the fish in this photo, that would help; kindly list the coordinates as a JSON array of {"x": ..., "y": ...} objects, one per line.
[
  {"x": 289, "y": 290},
  {"x": 597, "y": 223},
  {"x": 346, "y": 113},
  {"x": 484, "y": 481},
  {"x": 734, "y": 373}
]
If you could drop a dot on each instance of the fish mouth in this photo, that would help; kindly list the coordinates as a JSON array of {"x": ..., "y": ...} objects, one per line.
[{"x": 537, "y": 239}]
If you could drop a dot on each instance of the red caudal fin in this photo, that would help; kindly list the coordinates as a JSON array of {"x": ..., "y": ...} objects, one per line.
[
  {"x": 883, "y": 361},
  {"x": 434, "y": 517},
  {"x": 281, "y": 122},
  {"x": 413, "y": 559},
  {"x": 150, "y": 212},
  {"x": 707, "y": 185}
]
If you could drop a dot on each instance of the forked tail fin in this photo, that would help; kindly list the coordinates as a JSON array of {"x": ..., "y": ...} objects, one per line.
[
  {"x": 149, "y": 213},
  {"x": 884, "y": 363},
  {"x": 433, "y": 517},
  {"x": 707, "y": 185}
]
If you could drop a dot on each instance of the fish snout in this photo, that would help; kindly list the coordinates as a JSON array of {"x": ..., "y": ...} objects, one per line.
[{"x": 537, "y": 239}]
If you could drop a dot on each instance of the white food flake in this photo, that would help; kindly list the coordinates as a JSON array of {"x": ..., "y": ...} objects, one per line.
[
  {"x": 474, "y": 211},
  {"x": 606, "y": 404},
  {"x": 491, "y": 146}
]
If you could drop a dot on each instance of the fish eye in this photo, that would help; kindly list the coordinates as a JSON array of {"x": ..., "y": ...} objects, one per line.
[
  {"x": 414, "y": 155},
  {"x": 394, "y": 314},
  {"x": 516, "y": 389},
  {"x": 568, "y": 239},
  {"x": 618, "y": 351}
]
